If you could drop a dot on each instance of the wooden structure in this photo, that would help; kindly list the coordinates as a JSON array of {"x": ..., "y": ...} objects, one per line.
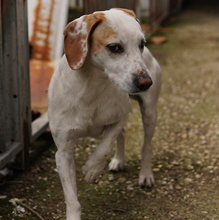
[
  {"x": 15, "y": 121},
  {"x": 89, "y": 6},
  {"x": 156, "y": 10},
  {"x": 160, "y": 10},
  {"x": 17, "y": 73}
]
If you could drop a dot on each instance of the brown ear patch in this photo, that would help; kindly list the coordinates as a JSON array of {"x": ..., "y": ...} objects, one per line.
[
  {"x": 76, "y": 41},
  {"x": 101, "y": 37},
  {"x": 74, "y": 47},
  {"x": 129, "y": 12}
]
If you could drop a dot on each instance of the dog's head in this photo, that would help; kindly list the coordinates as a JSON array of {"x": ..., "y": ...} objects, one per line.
[{"x": 114, "y": 42}]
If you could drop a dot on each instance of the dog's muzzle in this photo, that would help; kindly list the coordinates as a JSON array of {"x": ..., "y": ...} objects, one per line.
[{"x": 143, "y": 83}]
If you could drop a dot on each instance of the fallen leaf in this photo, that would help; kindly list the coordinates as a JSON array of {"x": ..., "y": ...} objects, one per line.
[{"x": 158, "y": 39}]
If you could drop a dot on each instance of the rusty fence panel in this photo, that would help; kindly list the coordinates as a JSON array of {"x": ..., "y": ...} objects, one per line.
[
  {"x": 159, "y": 10},
  {"x": 89, "y": 6},
  {"x": 15, "y": 91},
  {"x": 156, "y": 10},
  {"x": 46, "y": 22}
]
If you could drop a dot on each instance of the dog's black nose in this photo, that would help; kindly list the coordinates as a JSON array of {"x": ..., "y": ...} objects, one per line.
[{"x": 143, "y": 83}]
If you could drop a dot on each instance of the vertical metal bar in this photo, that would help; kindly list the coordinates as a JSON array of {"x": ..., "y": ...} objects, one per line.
[{"x": 2, "y": 95}]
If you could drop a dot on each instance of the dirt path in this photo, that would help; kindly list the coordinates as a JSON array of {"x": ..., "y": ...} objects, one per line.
[{"x": 185, "y": 158}]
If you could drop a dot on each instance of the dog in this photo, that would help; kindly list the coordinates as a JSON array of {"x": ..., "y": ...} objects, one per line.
[{"x": 105, "y": 62}]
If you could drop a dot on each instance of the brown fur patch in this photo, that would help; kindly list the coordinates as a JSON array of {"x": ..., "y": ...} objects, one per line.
[
  {"x": 73, "y": 49},
  {"x": 76, "y": 42},
  {"x": 101, "y": 38}
]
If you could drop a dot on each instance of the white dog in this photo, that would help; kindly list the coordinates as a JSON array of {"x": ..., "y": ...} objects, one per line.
[{"x": 105, "y": 61}]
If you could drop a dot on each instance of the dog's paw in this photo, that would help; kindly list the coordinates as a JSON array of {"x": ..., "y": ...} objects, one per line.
[
  {"x": 73, "y": 211},
  {"x": 116, "y": 165},
  {"x": 146, "y": 180},
  {"x": 91, "y": 170}
]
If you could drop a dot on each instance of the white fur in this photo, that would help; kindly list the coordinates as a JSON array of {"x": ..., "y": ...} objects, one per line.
[{"x": 94, "y": 99}]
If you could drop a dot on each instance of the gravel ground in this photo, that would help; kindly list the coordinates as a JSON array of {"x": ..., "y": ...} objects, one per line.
[{"x": 185, "y": 156}]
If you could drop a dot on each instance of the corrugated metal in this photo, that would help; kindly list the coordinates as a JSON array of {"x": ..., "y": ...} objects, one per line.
[
  {"x": 89, "y": 6},
  {"x": 47, "y": 19},
  {"x": 40, "y": 37}
]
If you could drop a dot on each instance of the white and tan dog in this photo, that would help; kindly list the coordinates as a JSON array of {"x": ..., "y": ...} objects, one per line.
[{"x": 105, "y": 61}]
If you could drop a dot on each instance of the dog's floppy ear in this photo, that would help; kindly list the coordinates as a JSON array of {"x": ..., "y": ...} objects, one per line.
[
  {"x": 129, "y": 12},
  {"x": 76, "y": 38}
]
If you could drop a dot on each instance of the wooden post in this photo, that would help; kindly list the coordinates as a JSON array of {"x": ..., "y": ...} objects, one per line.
[
  {"x": 2, "y": 95},
  {"x": 16, "y": 88}
]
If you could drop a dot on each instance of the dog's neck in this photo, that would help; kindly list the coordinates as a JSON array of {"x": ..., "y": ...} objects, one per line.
[
  {"x": 91, "y": 68},
  {"x": 90, "y": 80}
]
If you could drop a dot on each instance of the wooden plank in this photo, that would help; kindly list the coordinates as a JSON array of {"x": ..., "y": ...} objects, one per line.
[
  {"x": 2, "y": 95},
  {"x": 23, "y": 86},
  {"x": 39, "y": 126},
  {"x": 16, "y": 78},
  {"x": 12, "y": 150},
  {"x": 12, "y": 122}
]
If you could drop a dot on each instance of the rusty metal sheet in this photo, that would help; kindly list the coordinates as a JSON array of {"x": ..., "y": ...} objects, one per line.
[
  {"x": 47, "y": 19},
  {"x": 40, "y": 74},
  {"x": 39, "y": 39}
]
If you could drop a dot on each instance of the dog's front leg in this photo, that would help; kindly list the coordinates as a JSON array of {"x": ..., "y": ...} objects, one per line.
[
  {"x": 97, "y": 160},
  {"x": 66, "y": 169},
  {"x": 149, "y": 117},
  {"x": 118, "y": 160}
]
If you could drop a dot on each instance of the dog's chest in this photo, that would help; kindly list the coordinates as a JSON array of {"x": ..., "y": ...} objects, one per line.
[
  {"x": 86, "y": 103},
  {"x": 105, "y": 111},
  {"x": 90, "y": 117}
]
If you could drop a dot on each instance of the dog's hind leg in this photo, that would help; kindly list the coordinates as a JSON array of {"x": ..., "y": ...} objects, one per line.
[
  {"x": 117, "y": 162},
  {"x": 149, "y": 118},
  {"x": 66, "y": 169}
]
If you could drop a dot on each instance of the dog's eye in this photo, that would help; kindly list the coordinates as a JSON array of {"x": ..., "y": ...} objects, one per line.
[
  {"x": 115, "y": 48},
  {"x": 141, "y": 46}
]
